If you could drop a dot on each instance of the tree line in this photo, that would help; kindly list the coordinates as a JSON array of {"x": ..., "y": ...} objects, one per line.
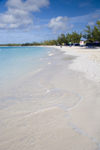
[{"x": 91, "y": 34}]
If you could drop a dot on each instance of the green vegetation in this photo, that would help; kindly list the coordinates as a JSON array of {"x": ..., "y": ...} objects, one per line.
[
  {"x": 50, "y": 42},
  {"x": 74, "y": 37},
  {"x": 91, "y": 34}
]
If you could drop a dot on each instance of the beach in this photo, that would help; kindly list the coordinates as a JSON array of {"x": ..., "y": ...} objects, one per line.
[{"x": 58, "y": 106}]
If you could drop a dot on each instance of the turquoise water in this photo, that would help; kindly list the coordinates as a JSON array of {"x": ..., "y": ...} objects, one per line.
[{"x": 16, "y": 62}]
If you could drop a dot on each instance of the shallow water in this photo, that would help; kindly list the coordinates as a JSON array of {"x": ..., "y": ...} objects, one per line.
[
  {"x": 31, "y": 86},
  {"x": 43, "y": 101},
  {"x": 18, "y": 62}
]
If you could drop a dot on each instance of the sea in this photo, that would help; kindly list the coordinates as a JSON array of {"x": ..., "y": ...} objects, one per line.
[
  {"x": 31, "y": 80},
  {"x": 16, "y": 63}
]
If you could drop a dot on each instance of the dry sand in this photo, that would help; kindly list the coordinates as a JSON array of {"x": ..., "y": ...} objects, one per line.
[
  {"x": 58, "y": 107},
  {"x": 88, "y": 61}
]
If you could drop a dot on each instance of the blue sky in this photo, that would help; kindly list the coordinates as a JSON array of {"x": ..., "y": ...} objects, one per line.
[{"x": 37, "y": 20}]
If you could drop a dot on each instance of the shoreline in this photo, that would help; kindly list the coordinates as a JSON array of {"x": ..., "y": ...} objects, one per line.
[
  {"x": 87, "y": 61},
  {"x": 54, "y": 108}
]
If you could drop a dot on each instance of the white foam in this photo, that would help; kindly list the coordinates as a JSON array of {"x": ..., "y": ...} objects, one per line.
[
  {"x": 49, "y": 63},
  {"x": 50, "y": 54}
]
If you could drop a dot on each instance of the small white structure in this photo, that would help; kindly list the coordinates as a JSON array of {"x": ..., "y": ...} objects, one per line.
[{"x": 82, "y": 42}]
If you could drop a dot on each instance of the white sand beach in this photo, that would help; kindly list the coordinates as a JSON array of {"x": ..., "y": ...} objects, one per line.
[
  {"x": 88, "y": 61},
  {"x": 58, "y": 107}
]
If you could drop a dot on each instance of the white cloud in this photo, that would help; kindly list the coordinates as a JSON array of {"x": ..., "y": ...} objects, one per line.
[
  {"x": 19, "y": 13},
  {"x": 76, "y": 23},
  {"x": 91, "y": 17},
  {"x": 59, "y": 23},
  {"x": 2, "y": 25},
  {"x": 27, "y": 5},
  {"x": 91, "y": 23}
]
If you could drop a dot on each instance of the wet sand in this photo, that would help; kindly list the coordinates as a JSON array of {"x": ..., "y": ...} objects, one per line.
[{"x": 56, "y": 108}]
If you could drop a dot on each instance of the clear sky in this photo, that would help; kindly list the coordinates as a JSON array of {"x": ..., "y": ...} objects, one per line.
[{"x": 37, "y": 20}]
